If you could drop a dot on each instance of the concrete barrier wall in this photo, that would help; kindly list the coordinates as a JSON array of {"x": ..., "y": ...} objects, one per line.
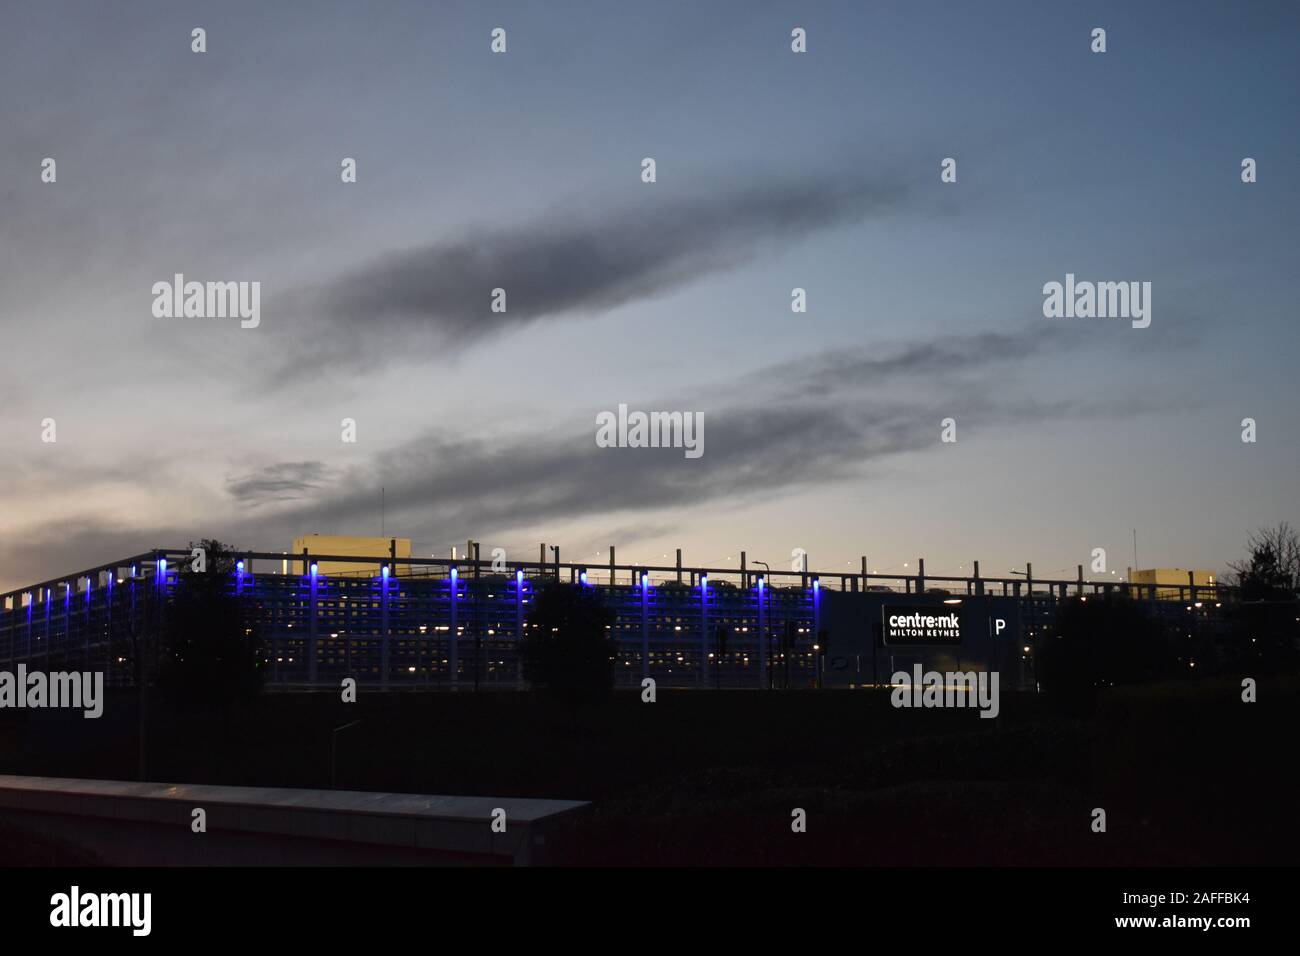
[{"x": 266, "y": 824}]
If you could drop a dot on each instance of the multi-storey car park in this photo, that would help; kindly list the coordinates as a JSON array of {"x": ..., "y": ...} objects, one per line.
[{"x": 403, "y": 622}]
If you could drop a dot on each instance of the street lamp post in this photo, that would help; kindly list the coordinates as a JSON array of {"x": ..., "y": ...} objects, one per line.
[{"x": 1033, "y": 633}]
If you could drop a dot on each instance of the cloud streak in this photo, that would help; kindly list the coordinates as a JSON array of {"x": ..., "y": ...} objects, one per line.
[
  {"x": 572, "y": 262},
  {"x": 805, "y": 424},
  {"x": 284, "y": 481},
  {"x": 822, "y": 418},
  {"x": 811, "y": 421}
]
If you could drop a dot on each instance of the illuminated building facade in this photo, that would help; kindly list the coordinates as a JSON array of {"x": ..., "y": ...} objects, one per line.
[{"x": 405, "y": 622}]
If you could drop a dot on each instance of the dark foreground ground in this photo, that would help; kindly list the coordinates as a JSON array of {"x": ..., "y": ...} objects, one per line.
[{"x": 1187, "y": 773}]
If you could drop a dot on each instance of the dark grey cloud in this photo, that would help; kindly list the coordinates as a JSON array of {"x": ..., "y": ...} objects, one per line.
[
  {"x": 947, "y": 357},
  {"x": 61, "y": 468},
  {"x": 789, "y": 428},
  {"x": 576, "y": 261},
  {"x": 454, "y": 487},
  {"x": 284, "y": 481},
  {"x": 75, "y": 543},
  {"x": 800, "y": 425},
  {"x": 820, "y": 375}
]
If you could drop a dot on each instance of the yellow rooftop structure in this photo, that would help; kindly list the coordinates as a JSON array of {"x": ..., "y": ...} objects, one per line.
[
  {"x": 1169, "y": 580},
  {"x": 352, "y": 545}
]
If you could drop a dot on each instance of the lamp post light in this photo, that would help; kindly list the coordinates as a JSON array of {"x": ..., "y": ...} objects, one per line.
[{"x": 1028, "y": 574}]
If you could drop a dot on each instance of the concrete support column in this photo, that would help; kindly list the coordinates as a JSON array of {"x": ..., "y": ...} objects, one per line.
[
  {"x": 311, "y": 629},
  {"x": 90, "y": 596},
  {"x": 519, "y": 625},
  {"x": 109, "y": 584},
  {"x": 704, "y": 631},
  {"x": 453, "y": 642},
  {"x": 385, "y": 664},
  {"x": 644, "y": 584},
  {"x": 133, "y": 621},
  {"x": 817, "y": 631}
]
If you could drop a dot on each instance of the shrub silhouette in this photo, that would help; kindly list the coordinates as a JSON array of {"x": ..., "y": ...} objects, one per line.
[
  {"x": 1100, "y": 642},
  {"x": 211, "y": 657},
  {"x": 568, "y": 650}
]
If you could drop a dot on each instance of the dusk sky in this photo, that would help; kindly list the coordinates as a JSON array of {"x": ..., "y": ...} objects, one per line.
[{"x": 775, "y": 170}]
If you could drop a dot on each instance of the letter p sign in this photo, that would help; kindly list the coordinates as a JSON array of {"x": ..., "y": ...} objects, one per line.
[{"x": 999, "y": 625}]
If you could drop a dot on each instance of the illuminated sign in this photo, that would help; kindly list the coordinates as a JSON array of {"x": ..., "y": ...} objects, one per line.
[{"x": 921, "y": 624}]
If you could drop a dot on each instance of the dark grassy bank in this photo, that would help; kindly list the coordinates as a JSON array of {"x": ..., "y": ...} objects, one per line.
[
  {"x": 20, "y": 846},
  {"x": 1186, "y": 773}
]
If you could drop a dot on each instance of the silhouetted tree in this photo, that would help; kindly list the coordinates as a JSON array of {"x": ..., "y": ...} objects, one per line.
[
  {"x": 1272, "y": 571},
  {"x": 212, "y": 654},
  {"x": 568, "y": 649},
  {"x": 1265, "y": 635},
  {"x": 1098, "y": 642}
]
